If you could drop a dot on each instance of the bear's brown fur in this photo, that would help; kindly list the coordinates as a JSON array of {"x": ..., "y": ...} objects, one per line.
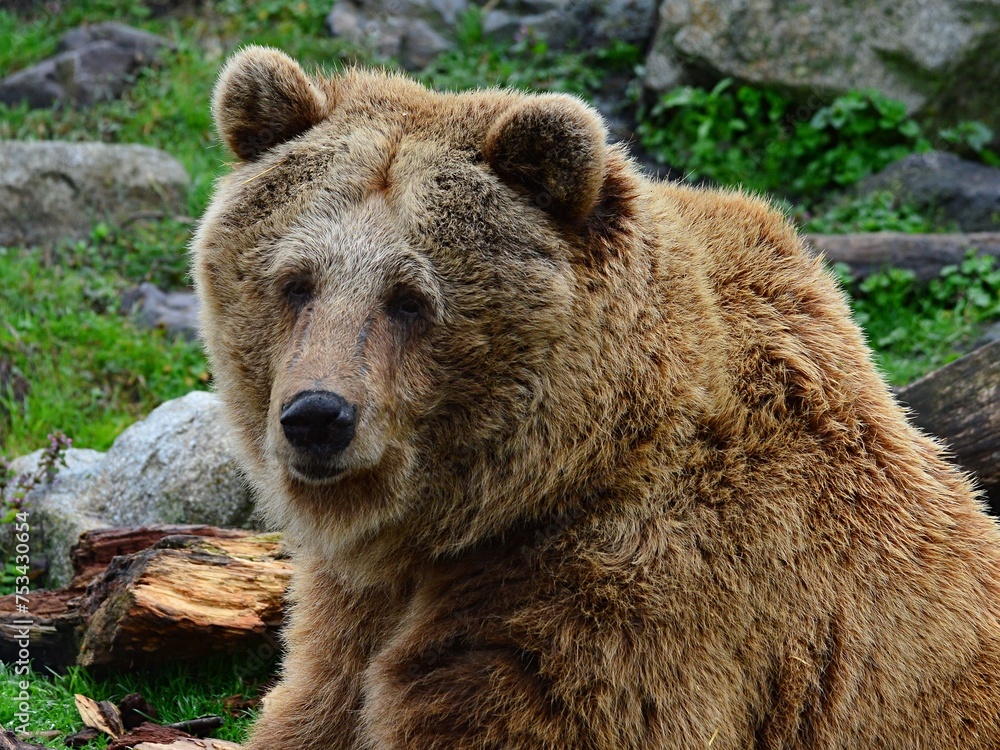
[{"x": 615, "y": 469}]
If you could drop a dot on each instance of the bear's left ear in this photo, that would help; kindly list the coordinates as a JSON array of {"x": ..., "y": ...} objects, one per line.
[
  {"x": 554, "y": 146},
  {"x": 262, "y": 99}
]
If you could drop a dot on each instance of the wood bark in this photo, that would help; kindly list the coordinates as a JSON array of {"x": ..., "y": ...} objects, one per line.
[
  {"x": 960, "y": 404},
  {"x": 185, "y": 598},
  {"x": 924, "y": 254},
  {"x": 196, "y": 590}
]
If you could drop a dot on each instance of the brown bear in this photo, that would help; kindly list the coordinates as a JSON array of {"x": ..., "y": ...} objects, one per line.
[{"x": 569, "y": 458}]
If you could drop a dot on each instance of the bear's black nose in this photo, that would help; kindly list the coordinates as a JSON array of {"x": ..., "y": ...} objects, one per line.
[{"x": 321, "y": 422}]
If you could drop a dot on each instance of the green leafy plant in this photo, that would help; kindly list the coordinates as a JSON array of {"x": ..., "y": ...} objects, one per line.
[
  {"x": 971, "y": 138},
  {"x": 876, "y": 212},
  {"x": 742, "y": 135},
  {"x": 915, "y": 328}
]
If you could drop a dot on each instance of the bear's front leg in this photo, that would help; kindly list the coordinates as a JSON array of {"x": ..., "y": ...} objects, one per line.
[
  {"x": 447, "y": 699},
  {"x": 332, "y": 632}
]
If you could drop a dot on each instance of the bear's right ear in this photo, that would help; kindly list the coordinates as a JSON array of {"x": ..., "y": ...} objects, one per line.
[
  {"x": 262, "y": 99},
  {"x": 552, "y": 146}
]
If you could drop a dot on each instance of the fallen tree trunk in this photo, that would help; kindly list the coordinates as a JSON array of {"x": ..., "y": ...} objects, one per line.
[
  {"x": 960, "y": 404},
  {"x": 185, "y": 598},
  {"x": 196, "y": 590},
  {"x": 924, "y": 254}
]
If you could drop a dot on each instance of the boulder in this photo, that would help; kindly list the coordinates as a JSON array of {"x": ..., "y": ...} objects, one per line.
[
  {"x": 916, "y": 51},
  {"x": 52, "y": 190},
  {"x": 175, "y": 466},
  {"x": 955, "y": 190},
  {"x": 95, "y": 63}
]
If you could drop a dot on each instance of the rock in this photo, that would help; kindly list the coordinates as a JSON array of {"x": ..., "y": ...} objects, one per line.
[
  {"x": 416, "y": 31},
  {"x": 59, "y": 512},
  {"x": 95, "y": 63},
  {"x": 51, "y": 190},
  {"x": 175, "y": 466},
  {"x": 917, "y": 51},
  {"x": 955, "y": 190},
  {"x": 142, "y": 44},
  {"x": 176, "y": 311},
  {"x": 402, "y": 29},
  {"x": 924, "y": 254}
]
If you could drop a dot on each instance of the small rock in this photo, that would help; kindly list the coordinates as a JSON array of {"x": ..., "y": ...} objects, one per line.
[
  {"x": 176, "y": 311},
  {"x": 144, "y": 45},
  {"x": 51, "y": 190},
  {"x": 956, "y": 190},
  {"x": 95, "y": 63}
]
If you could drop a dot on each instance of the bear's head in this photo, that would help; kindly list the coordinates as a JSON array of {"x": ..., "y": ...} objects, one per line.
[{"x": 405, "y": 297}]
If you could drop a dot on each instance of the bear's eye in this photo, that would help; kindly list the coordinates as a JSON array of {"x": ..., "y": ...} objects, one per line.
[
  {"x": 405, "y": 306},
  {"x": 298, "y": 293}
]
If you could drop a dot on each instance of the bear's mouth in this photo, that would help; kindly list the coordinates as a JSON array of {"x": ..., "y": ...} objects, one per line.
[{"x": 314, "y": 472}]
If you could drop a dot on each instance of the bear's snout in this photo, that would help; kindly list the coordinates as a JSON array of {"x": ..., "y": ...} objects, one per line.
[{"x": 321, "y": 423}]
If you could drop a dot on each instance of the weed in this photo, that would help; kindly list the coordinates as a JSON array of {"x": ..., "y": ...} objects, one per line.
[
  {"x": 915, "y": 328},
  {"x": 876, "y": 212},
  {"x": 741, "y": 135},
  {"x": 14, "y": 489},
  {"x": 528, "y": 63}
]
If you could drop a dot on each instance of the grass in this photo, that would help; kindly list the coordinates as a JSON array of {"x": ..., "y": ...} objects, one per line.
[
  {"x": 91, "y": 372},
  {"x": 177, "y": 691}
]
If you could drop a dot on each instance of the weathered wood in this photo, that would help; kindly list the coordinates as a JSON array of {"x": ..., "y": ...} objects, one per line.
[
  {"x": 96, "y": 548},
  {"x": 960, "y": 403},
  {"x": 149, "y": 733},
  {"x": 924, "y": 254},
  {"x": 185, "y": 744},
  {"x": 55, "y": 620},
  {"x": 10, "y": 741},
  {"x": 185, "y": 598},
  {"x": 51, "y": 624}
]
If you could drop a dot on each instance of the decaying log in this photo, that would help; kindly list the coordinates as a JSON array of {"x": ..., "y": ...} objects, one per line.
[
  {"x": 97, "y": 548},
  {"x": 185, "y": 598},
  {"x": 960, "y": 404},
  {"x": 50, "y": 622},
  {"x": 193, "y": 744},
  {"x": 58, "y": 618},
  {"x": 10, "y": 741},
  {"x": 924, "y": 254}
]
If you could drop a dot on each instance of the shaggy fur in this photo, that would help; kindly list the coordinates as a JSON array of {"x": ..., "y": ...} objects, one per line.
[{"x": 624, "y": 475}]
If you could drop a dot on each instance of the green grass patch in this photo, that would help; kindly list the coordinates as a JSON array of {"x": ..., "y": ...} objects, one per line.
[
  {"x": 177, "y": 691},
  {"x": 90, "y": 371}
]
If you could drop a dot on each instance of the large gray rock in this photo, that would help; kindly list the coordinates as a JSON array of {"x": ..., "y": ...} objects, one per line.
[
  {"x": 50, "y": 190},
  {"x": 955, "y": 190},
  {"x": 916, "y": 51},
  {"x": 415, "y": 31},
  {"x": 95, "y": 63},
  {"x": 175, "y": 466}
]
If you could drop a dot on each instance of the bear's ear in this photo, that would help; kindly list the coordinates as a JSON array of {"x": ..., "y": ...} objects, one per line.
[
  {"x": 262, "y": 99},
  {"x": 554, "y": 146}
]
